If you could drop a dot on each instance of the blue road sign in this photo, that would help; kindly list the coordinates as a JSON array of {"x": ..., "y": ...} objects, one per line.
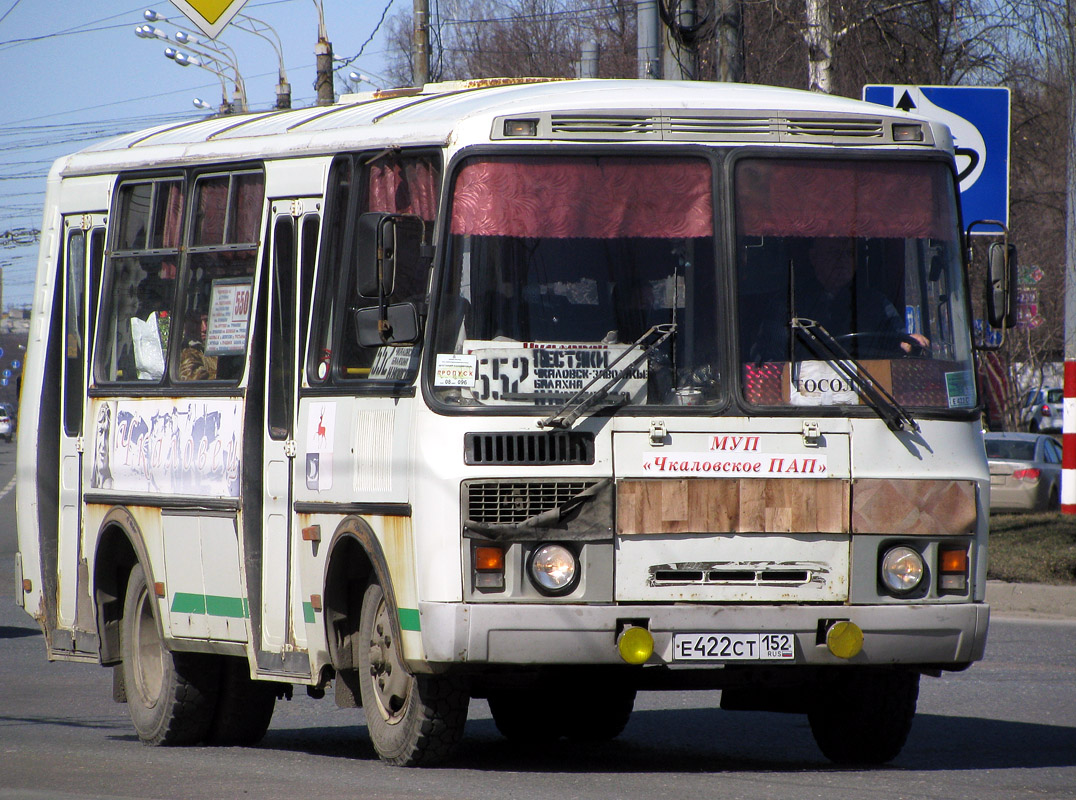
[{"x": 978, "y": 116}]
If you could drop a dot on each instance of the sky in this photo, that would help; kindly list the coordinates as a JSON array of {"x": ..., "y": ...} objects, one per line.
[{"x": 73, "y": 72}]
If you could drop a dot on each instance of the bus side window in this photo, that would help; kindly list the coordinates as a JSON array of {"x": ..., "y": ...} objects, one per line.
[
  {"x": 217, "y": 300},
  {"x": 140, "y": 281},
  {"x": 397, "y": 183}
]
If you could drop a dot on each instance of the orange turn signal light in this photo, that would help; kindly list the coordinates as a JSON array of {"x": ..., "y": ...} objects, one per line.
[
  {"x": 489, "y": 559},
  {"x": 953, "y": 561}
]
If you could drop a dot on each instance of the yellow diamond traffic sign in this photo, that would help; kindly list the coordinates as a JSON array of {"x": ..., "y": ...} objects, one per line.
[{"x": 209, "y": 16}]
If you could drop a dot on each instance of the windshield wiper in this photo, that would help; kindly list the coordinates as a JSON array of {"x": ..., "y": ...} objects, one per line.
[
  {"x": 585, "y": 399},
  {"x": 895, "y": 416}
]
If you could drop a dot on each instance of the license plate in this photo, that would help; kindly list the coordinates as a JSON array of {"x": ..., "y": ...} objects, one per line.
[{"x": 734, "y": 646}]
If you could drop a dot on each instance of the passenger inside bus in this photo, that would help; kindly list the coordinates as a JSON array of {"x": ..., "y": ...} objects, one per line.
[{"x": 194, "y": 364}]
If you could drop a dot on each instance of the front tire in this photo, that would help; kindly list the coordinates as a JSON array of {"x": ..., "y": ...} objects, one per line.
[
  {"x": 863, "y": 716},
  {"x": 171, "y": 697},
  {"x": 412, "y": 719}
]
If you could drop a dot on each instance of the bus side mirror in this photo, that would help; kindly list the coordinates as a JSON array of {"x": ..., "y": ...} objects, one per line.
[
  {"x": 398, "y": 326},
  {"x": 386, "y": 243},
  {"x": 1001, "y": 285}
]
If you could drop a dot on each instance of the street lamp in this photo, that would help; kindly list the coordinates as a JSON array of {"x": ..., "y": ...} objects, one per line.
[
  {"x": 361, "y": 77},
  {"x": 201, "y": 104},
  {"x": 259, "y": 29},
  {"x": 214, "y": 61}
]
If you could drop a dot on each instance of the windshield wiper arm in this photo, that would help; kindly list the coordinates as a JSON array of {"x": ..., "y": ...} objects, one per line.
[
  {"x": 584, "y": 399},
  {"x": 895, "y": 416}
]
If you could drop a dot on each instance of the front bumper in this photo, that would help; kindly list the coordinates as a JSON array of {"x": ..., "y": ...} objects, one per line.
[{"x": 937, "y": 634}]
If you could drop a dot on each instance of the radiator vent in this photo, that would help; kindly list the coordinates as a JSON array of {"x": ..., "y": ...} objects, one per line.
[
  {"x": 528, "y": 449},
  {"x": 734, "y": 574},
  {"x": 829, "y": 128},
  {"x": 627, "y": 125},
  {"x": 510, "y": 502}
]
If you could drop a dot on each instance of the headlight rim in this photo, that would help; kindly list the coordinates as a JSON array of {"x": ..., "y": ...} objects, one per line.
[{"x": 568, "y": 587}]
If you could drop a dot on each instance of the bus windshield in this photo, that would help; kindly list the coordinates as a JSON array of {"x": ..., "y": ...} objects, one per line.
[
  {"x": 559, "y": 266},
  {"x": 860, "y": 255},
  {"x": 563, "y": 271}
]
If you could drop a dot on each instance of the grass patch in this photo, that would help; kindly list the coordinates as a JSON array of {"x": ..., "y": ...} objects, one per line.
[{"x": 1033, "y": 548}]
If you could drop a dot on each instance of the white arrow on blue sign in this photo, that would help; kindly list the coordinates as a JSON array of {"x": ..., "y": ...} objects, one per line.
[{"x": 978, "y": 116}]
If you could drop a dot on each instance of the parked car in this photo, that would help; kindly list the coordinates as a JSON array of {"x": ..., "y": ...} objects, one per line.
[
  {"x": 7, "y": 426},
  {"x": 1025, "y": 471},
  {"x": 1043, "y": 409}
]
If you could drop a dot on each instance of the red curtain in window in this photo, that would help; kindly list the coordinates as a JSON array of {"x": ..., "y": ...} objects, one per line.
[
  {"x": 844, "y": 198},
  {"x": 211, "y": 211},
  {"x": 250, "y": 189},
  {"x": 407, "y": 186},
  {"x": 597, "y": 198}
]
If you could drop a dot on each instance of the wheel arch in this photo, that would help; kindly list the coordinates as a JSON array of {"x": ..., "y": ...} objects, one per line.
[
  {"x": 355, "y": 558},
  {"x": 120, "y": 546}
]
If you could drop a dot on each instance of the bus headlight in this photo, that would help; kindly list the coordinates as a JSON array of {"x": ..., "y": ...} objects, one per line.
[
  {"x": 553, "y": 569},
  {"x": 902, "y": 569}
]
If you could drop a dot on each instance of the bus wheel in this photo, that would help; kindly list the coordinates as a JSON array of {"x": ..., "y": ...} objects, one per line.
[
  {"x": 608, "y": 709},
  {"x": 245, "y": 706},
  {"x": 522, "y": 718},
  {"x": 862, "y": 716},
  {"x": 412, "y": 719},
  {"x": 171, "y": 697}
]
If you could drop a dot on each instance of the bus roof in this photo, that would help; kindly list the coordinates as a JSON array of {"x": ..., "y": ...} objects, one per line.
[{"x": 595, "y": 110}]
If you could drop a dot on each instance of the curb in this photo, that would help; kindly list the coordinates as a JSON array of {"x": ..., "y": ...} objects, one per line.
[{"x": 1031, "y": 600}]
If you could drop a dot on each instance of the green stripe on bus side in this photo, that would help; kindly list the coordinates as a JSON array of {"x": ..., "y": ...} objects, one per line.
[
  {"x": 409, "y": 619},
  {"x": 211, "y": 605}
]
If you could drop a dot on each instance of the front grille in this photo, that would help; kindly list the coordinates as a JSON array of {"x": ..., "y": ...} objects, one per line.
[
  {"x": 680, "y": 575},
  {"x": 527, "y": 449},
  {"x": 498, "y": 502}
]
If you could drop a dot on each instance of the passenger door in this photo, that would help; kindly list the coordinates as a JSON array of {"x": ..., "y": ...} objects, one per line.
[
  {"x": 295, "y": 227},
  {"x": 84, "y": 246}
]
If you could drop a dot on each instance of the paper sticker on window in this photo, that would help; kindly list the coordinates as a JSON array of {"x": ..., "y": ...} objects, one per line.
[
  {"x": 394, "y": 363},
  {"x": 229, "y": 315},
  {"x": 817, "y": 383},
  {"x": 960, "y": 389},
  {"x": 548, "y": 373},
  {"x": 455, "y": 370}
]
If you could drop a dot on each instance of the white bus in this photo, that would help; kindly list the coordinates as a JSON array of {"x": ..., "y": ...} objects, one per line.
[{"x": 537, "y": 392}]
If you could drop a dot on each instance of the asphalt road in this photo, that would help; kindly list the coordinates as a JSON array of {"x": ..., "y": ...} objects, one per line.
[{"x": 1004, "y": 729}]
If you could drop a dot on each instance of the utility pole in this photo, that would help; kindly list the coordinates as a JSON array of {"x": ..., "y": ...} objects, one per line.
[
  {"x": 729, "y": 40},
  {"x": 323, "y": 52},
  {"x": 1068, "y": 424},
  {"x": 648, "y": 49},
  {"x": 680, "y": 60},
  {"x": 420, "y": 42}
]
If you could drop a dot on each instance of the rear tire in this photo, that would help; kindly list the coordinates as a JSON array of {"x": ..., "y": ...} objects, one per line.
[
  {"x": 862, "y": 715},
  {"x": 412, "y": 719},
  {"x": 171, "y": 697},
  {"x": 244, "y": 707}
]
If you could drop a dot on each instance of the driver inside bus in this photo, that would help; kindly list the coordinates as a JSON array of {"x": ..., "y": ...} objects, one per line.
[{"x": 834, "y": 299}]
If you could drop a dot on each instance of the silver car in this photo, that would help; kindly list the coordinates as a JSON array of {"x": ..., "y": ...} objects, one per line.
[
  {"x": 1025, "y": 471},
  {"x": 1043, "y": 410}
]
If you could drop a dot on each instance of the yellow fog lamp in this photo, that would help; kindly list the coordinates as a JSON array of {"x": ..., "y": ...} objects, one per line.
[
  {"x": 844, "y": 639},
  {"x": 635, "y": 644}
]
